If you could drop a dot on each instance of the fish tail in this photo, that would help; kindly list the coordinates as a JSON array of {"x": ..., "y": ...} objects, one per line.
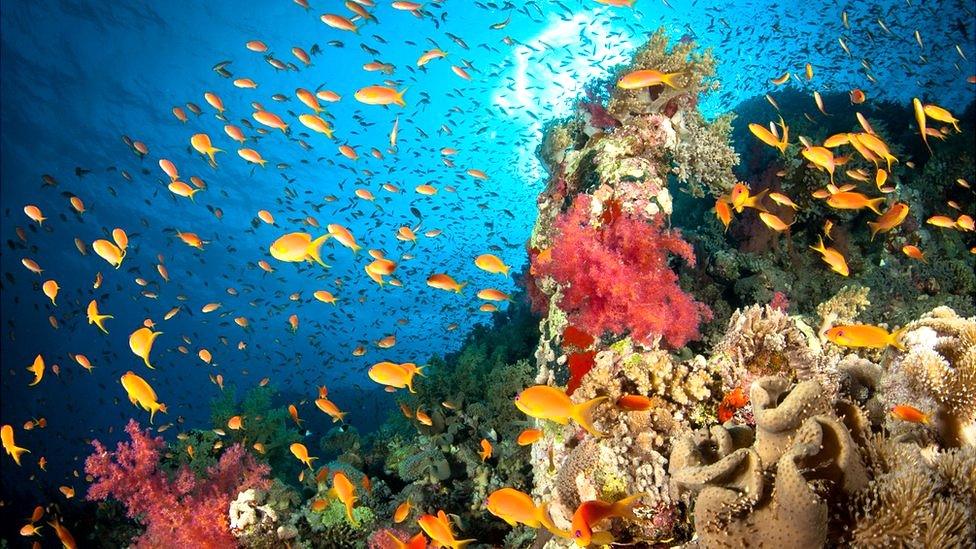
[
  {"x": 875, "y": 203},
  {"x": 315, "y": 249},
  {"x": 16, "y": 452},
  {"x": 755, "y": 202},
  {"x": 668, "y": 79},
  {"x": 349, "y": 516},
  {"x": 875, "y": 227},
  {"x": 148, "y": 365},
  {"x": 546, "y": 521},
  {"x": 153, "y": 408},
  {"x": 820, "y": 246},
  {"x": 420, "y": 370},
  {"x": 399, "y": 97},
  {"x": 895, "y": 340},
  {"x": 625, "y": 507},
  {"x": 583, "y": 414},
  {"x": 460, "y": 287}
]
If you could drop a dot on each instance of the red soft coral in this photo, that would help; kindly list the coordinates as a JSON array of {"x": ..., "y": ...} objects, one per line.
[
  {"x": 179, "y": 510},
  {"x": 615, "y": 277}
]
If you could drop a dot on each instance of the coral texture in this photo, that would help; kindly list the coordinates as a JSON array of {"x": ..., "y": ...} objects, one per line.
[
  {"x": 178, "y": 510},
  {"x": 616, "y": 276}
]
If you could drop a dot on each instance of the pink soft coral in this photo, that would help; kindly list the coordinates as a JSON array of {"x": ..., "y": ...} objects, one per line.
[
  {"x": 178, "y": 510},
  {"x": 615, "y": 276}
]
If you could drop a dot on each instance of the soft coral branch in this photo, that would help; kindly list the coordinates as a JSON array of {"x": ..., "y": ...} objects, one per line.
[
  {"x": 615, "y": 276},
  {"x": 179, "y": 510}
]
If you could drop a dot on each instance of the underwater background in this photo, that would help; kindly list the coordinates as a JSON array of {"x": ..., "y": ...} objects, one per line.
[{"x": 515, "y": 140}]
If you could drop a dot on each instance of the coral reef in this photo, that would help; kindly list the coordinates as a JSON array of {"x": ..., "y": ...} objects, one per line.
[
  {"x": 179, "y": 509},
  {"x": 615, "y": 276},
  {"x": 937, "y": 374}
]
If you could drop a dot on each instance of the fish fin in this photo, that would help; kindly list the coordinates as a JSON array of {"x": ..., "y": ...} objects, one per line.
[
  {"x": 896, "y": 339},
  {"x": 16, "y": 452},
  {"x": 874, "y": 203},
  {"x": 625, "y": 507},
  {"x": 461, "y": 543},
  {"x": 399, "y": 97},
  {"x": 583, "y": 414},
  {"x": 875, "y": 227},
  {"x": 601, "y": 538},
  {"x": 820, "y": 246},
  {"x": 546, "y": 521},
  {"x": 668, "y": 79},
  {"x": 314, "y": 249}
]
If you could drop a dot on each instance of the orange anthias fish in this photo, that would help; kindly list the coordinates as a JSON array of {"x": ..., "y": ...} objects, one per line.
[
  {"x": 515, "y": 507},
  {"x": 865, "y": 335},
  {"x": 892, "y": 218},
  {"x": 910, "y": 414},
  {"x": 395, "y": 375},
  {"x": 723, "y": 211},
  {"x": 141, "y": 343},
  {"x": 440, "y": 531},
  {"x": 855, "y": 201},
  {"x": 644, "y": 78},
  {"x": 528, "y": 436},
  {"x": 486, "y": 450},
  {"x": 634, "y": 403},
  {"x": 832, "y": 257},
  {"x": 381, "y": 95},
  {"x": 345, "y": 491},
  {"x": 445, "y": 282},
  {"x": 741, "y": 199},
  {"x": 298, "y": 247},
  {"x": 141, "y": 394},
  {"x": 545, "y": 402},
  {"x": 301, "y": 454},
  {"x": 589, "y": 513},
  {"x": 9, "y": 446},
  {"x": 331, "y": 409},
  {"x": 491, "y": 263}
]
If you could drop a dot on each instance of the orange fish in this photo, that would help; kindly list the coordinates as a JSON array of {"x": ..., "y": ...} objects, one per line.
[
  {"x": 528, "y": 437},
  {"x": 832, "y": 257},
  {"x": 741, "y": 199},
  {"x": 855, "y": 201},
  {"x": 865, "y": 336},
  {"x": 301, "y": 454},
  {"x": 445, "y": 282},
  {"x": 380, "y": 95},
  {"x": 402, "y": 512},
  {"x": 9, "y": 446},
  {"x": 345, "y": 490},
  {"x": 515, "y": 507},
  {"x": 645, "y": 78},
  {"x": 910, "y": 414},
  {"x": 440, "y": 531},
  {"x": 634, "y": 403},
  {"x": 723, "y": 211},
  {"x": 486, "y": 450},
  {"x": 545, "y": 402},
  {"x": 892, "y": 218},
  {"x": 913, "y": 252},
  {"x": 590, "y": 513}
]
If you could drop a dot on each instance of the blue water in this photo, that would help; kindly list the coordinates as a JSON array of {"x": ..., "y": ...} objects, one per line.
[{"x": 78, "y": 76}]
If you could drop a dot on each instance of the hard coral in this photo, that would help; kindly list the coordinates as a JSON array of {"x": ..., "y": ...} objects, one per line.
[
  {"x": 937, "y": 373},
  {"x": 775, "y": 489},
  {"x": 615, "y": 277},
  {"x": 179, "y": 510}
]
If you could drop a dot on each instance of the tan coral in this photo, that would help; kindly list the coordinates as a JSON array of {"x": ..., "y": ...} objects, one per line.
[
  {"x": 806, "y": 451},
  {"x": 937, "y": 374},
  {"x": 761, "y": 340}
]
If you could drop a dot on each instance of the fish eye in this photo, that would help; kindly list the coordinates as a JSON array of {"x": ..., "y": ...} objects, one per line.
[
  {"x": 578, "y": 534},
  {"x": 840, "y": 332}
]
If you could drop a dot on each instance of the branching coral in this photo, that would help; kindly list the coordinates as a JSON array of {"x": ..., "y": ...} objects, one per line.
[
  {"x": 616, "y": 277},
  {"x": 937, "y": 373},
  {"x": 179, "y": 510},
  {"x": 761, "y": 340}
]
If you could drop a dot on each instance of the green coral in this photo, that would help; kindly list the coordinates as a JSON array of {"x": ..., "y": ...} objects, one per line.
[{"x": 263, "y": 422}]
